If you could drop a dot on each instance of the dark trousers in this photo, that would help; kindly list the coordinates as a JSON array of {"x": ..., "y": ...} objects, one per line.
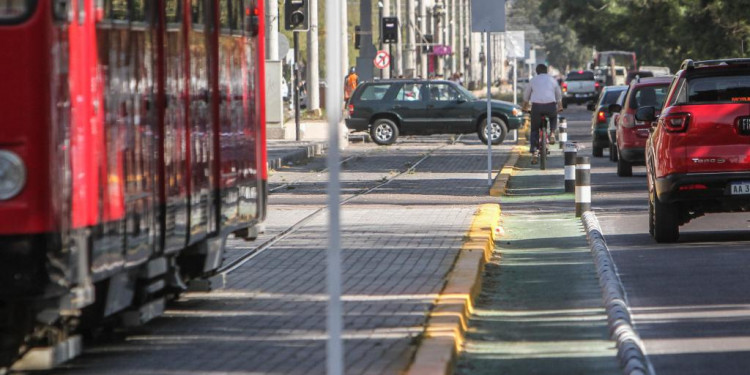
[{"x": 537, "y": 111}]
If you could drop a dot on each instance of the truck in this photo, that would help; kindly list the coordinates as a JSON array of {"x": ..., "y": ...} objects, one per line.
[{"x": 580, "y": 87}]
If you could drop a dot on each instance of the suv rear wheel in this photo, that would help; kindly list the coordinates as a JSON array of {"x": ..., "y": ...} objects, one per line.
[
  {"x": 499, "y": 131},
  {"x": 663, "y": 220},
  {"x": 384, "y": 131}
]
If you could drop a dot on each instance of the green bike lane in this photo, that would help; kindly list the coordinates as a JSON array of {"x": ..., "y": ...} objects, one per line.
[{"x": 540, "y": 309}]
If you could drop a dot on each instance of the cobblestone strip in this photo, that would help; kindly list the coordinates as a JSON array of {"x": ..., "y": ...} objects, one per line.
[
  {"x": 447, "y": 323},
  {"x": 630, "y": 349}
]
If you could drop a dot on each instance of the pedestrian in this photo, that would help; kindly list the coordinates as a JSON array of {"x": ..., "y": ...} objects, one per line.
[{"x": 350, "y": 83}]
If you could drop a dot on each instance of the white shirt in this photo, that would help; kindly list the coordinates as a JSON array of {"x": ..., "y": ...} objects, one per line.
[{"x": 542, "y": 89}]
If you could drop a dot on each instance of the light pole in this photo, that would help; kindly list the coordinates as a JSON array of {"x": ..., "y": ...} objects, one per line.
[{"x": 380, "y": 32}]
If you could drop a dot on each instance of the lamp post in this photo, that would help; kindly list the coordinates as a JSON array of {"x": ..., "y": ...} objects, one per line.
[{"x": 380, "y": 33}]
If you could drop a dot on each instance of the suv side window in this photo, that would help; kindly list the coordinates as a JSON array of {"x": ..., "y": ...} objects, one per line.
[
  {"x": 442, "y": 92},
  {"x": 410, "y": 92},
  {"x": 374, "y": 92},
  {"x": 680, "y": 95}
]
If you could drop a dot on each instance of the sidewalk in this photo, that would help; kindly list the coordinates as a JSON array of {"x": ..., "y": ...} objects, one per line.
[{"x": 540, "y": 309}]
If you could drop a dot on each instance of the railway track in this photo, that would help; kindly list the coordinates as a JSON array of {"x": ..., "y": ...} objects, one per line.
[{"x": 252, "y": 253}]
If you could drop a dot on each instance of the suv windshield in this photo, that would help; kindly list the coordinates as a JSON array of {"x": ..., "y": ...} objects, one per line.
[
  {"x": 733, "y": 88},
  {"x": 466, "y": 92},
  {"x": 15, "y": 11},
  {"x": 580, "y": 76}
]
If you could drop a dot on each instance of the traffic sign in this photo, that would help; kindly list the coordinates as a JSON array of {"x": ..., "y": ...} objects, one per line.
[{"x": 382, "y": 60}]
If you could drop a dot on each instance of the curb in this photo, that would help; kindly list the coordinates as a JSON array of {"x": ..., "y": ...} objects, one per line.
[
  {"x": 447, "y": 322},
  {"x": 500, "y": 185},
  {"x": 630, "y": 350},
  {"x": 299, "y": 155}
]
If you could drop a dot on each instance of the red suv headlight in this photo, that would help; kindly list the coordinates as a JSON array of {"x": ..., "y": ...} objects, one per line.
[{"x": 676, "y": 122}]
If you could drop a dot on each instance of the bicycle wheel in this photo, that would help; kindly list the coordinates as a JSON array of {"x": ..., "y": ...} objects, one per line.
[{"x": 543, "y": 146}]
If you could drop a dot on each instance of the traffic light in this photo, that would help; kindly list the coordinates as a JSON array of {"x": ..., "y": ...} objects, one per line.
[
  {"x": 357, "y": 30},
  {"x": 296, "y": 15},
  {"x": 427, "y": 39},
  {"x": 389, "y": 30}
]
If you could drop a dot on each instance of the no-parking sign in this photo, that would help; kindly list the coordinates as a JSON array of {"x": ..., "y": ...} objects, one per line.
[{"x": 382, "y": 60}]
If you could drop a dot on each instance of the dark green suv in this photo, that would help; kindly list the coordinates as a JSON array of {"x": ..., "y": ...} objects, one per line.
[{"x": 387, "y": 109}]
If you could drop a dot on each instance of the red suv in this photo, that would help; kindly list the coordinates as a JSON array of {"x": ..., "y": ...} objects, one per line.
[
  {"x": 631, "y": 135},
  {"x": 698, "y": 156}
]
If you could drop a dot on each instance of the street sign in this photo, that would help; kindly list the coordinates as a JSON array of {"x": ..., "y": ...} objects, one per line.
[
  {"x": 382, "y": 60},
  {"x": 487, "y": 16},
  {"x": 515, "y": 47}
]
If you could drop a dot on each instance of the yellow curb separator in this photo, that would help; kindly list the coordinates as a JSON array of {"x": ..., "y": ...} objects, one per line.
[
  {"x": 447, "y": 323},
  {"x": 501, "y": 180}
]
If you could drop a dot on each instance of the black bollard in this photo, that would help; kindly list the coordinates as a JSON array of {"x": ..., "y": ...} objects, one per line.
[
  {"x": 563, "y": 126},
  {"x": 583, "y": 185},
  {"x": 570, "y": 152}
]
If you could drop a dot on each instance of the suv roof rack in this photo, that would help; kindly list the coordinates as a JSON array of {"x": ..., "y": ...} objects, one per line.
[{"x": 690, "y": 64}]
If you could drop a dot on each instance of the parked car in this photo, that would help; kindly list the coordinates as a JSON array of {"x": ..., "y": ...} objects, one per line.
[
  {"x": 600, "y": 117},
  {"x": 632, "y": 134},
  {"x": 387, "y": 109},
  {"x": 697, "y": 156},
  {"x": 656, "y": 70},
  {"x": 612, "y": 125},
  {"x": 579, "y": 87}
]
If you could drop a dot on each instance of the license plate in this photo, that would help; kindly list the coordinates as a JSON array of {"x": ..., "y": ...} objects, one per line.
[
  {"x": 740, "y": 188},
  {"x": 743, "y": 124}
]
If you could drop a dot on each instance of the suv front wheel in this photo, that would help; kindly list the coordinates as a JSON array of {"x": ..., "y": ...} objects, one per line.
[
  {"x": 384, "y": 131},
  {"x": 499, "y": 131}
]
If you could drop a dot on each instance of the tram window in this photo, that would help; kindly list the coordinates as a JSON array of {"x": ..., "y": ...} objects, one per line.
[
  {"x": 116, "y": 9},
  {"x": 198, "y": 13},
  {"x": 173, "y": 11},
  {"x": 224, "y": 14},
  {"x": 12, "y": 11},
  {"x": 139, "y": 10},
  {"x": 237, "y": 14}
]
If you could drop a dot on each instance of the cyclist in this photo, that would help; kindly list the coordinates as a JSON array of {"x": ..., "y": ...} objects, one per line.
[{"x": 544, "y": 96}]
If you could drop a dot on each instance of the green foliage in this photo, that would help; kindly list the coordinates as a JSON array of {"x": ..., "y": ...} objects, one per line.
[{"x": 661, "y": 32}]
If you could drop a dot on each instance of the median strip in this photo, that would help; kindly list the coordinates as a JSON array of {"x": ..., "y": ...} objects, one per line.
[{"x": 447, "y": 323}]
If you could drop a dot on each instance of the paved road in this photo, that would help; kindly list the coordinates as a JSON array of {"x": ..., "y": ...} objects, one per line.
[
  {"x": 690, "y": 300},
  {"x": 399, "y": 242}
]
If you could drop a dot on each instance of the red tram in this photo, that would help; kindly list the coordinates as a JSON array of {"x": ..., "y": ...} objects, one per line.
[{"x": 132, "y": 143}]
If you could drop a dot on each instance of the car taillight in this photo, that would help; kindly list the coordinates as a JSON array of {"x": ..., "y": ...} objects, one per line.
[
  {"x": 564, "y": 87},
  {"x": 627, "y": 121},
  {"x": 601, "y": 117},
  {"x": 351, "y": 109},
  {"x": 597, "y": 85},
  {"x": 677, "y": 122},
  {"x": 693, "y": 187}
]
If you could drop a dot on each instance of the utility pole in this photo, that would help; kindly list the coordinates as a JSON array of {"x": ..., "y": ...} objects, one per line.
[
  {"x": 365, "y": 68},
  {"x": 345, "y": 42},
  {"x": 437, "y": 35},
  {"x": 398, "y": 54},
  {"x": 313, "y": 87},
  {"x": 272, "y": 35},
  {"x": 385, "y": 11},
  {"x": 460, "y": 53},
  {"x": 451, "y": 22},
  {"x": 422, "y": 28},
  {"x": 411, "y": 51}
]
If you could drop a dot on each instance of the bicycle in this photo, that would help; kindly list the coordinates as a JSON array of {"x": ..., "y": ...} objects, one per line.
[{"x": 543, "y": 146}]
